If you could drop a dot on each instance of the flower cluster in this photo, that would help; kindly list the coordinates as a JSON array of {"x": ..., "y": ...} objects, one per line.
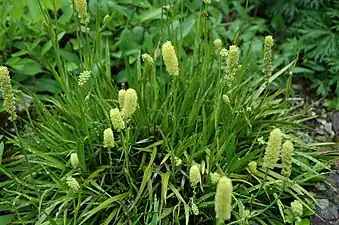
[
  {"x": 194, "y": 175},
  {"x": 117, "y": 120},
  {"x": 7, "y": 93},
  {"x": 267, "y": 70},
  {"x": 217, "y": 45},
  {"x": 215, "y": 177},
  {"x": 81, "y": 7},
  {"x": 128, "y": 103},
  {"x": 223, "y": 199},
  {"x": 108, "y": 138},
  {"x": 297, "y": 208},
  {"x": 148, "y": 60},
  {"x": 83, "y": 78},
  {"x": 273, "y": 149},
  {"x": 74, "y": 160},
  {"x": 170, "y": 58},
  {"x": 286, "y": 158},
  {"x": 72, "y": 183},
  {"x": 231, "y": 65}
]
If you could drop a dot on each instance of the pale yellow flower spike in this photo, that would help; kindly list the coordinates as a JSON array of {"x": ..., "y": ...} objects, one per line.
[
  {"x": 267, "y": 70},
  {"x": 74, "y": 160},
  {"x": 72, "y": 183},
  {"x": 130, "y": 103},
  {"x": 121, "y": 94},
  {"x": 81, "y": 7},
  {"x": 7, "y": 93},
  {"x": 286, "y": 158},
  {"x": 273, "y": 149},
  {"x": 194, "y": 175},
  {"x": 231, "y": 65},
  {"x": 215, "y": 177},
  {"x": 116, "y": 119},
  {"x": 170, "y": 58},
  {"x": 217, "y": 45},
  {"x": 108, "y": 138},
  {"x": 148, "y": 60},
  {"x": 223, "y": 199}
]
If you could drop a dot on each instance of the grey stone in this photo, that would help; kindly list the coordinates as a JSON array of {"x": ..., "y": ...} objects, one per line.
[{"x": 323, "y": 203}]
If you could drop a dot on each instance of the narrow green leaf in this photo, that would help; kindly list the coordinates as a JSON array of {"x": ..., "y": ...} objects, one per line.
[
  {"x": 106, "y": 204},
  {"x": 164, "y": 186}
]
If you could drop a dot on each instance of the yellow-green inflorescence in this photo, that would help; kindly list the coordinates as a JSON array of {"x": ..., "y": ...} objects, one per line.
[
  {"x": 273, "y": 149},
  {"x": 7, "y": 93},
  {"x": 194, "y": 175},
  {"x": 84, "y": 77},
  {"x": 297, "y": 208},
  {"x": 108, "y": 138},
  {"x": 148, "y": 60},
  {"x": 81, "y": 8},
  {"x": 195, "y": 209},
  {"x": 231, "y": 65},
  {"x": 121, "y": 97},
  {"x": 129, "y": 103},
  {"x": 72, "y": 183},
  {"x": 223, "y": 199},
  {"x": 267, "y": 70},
  {"x": 74, "y": 160},
  {"x": 286, "y": 158},
  {"x": 117, "y": 120},
  {"x": 217, "y": 45},
  {"x": 215, "y": 177},
  {"x": 252, "y": 167},
  {"x": 170, "y": 58}
]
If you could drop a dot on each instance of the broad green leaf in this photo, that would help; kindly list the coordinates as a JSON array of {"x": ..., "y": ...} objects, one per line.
[{"x": 6, "y": 219}]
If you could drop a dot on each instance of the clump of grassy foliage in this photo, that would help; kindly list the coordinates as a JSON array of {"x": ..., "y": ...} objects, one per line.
[{"x": 210, "y": 114}]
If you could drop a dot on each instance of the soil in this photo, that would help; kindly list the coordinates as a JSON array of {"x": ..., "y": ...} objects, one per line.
[{"x": 325, "y": 129}]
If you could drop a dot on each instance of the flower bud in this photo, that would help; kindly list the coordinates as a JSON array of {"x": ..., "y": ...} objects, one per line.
[
  {"x": 217, "y": 45},
  {"x": 297, "y": 208},
  {"x": 223, "y": 199},
  {"x": 252, "y": 167},
  {"x": 195, "y": 209},
  {"x": 74, "y": 160},
  {"x": 170, "y": 58}
]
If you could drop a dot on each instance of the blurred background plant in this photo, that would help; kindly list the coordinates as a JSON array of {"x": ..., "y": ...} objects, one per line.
[{"x": 312, "y": 27}]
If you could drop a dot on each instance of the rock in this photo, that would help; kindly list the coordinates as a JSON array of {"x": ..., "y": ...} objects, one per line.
[
  {"x": 321, "y": 187},
  {"x": 323, "y": 203}
]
